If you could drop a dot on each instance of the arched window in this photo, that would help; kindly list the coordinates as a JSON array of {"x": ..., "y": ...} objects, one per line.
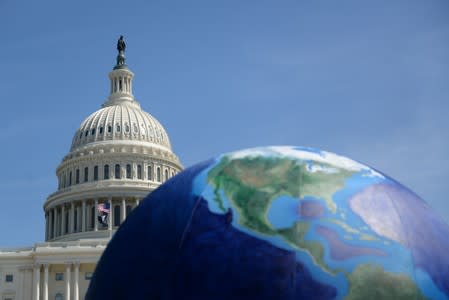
[
  {"x": 128, "y": 171},
  {"x": 117, "y": 215},
  {"x": 150, "y": 173},
  {"x": 166, "y": 175},
  {"x": 93, "y": 131},
  {"x": 96, "y": 173},
  {"x": 86, "y": 133},
  {"x": 59, "y": 296},
  {"x": 109, "y": 128},
  {"x": 117, "y": 171},
  {"x": 101, "y": 130},
  {"x": 172, "y": 173},
  {"x": 126, "y": 128},
  {"x": 139, "y": 172},
  {"x": 117, "y": 127},
  {"x": 63, "y": 180},
  {"x": 158, "y": 174},
  {"x": 86, "y": 174},
  {"x": 70, "y": 178},
  {"x": 77, "y": 176},
  {"x": 106, "y": 172}
]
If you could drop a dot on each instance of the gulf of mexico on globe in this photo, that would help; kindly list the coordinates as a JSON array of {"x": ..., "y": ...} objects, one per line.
[{"x": 277, "y": 223}]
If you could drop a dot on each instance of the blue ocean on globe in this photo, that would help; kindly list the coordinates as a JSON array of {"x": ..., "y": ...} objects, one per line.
[{"x": 277, "y": 223}]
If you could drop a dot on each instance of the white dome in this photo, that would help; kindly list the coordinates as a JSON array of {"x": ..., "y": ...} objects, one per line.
[
  {"x": 119, "y": 154},
  {"x": 122, "y": 121}
]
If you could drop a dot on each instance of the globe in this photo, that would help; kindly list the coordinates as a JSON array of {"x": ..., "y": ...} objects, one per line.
[{"x": 277, "y": 223}]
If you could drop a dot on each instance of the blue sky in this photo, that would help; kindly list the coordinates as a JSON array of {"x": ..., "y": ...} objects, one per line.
[{"x": 365, "y": 79}]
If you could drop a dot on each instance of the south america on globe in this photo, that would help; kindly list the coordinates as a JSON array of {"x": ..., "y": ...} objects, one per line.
[{"x": 277, "y": 223}]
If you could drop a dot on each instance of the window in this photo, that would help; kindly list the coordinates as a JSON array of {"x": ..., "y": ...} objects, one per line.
[
  {"x": 150, "y": 173},
  {"x": 127, "y": 128},
  {"x": 66, "y": 227},
  {"x": 59, "y": 296},
  {"x": 93, "y": 131},
  {"x": 117, "y": 128},
  {"x": 128, "y": 209},
  {"x": 106, "y": 172},
  {"x": 158, "y": 174},
  {"x": 86, "y": 174},
  {"x": 172, "y": 173},
  {"x": 139, "y": 172},
  {"x": 75, "y": 221},
  {"x": 109, "y": 128},
  {"x": 77, "y": 176},
  {"x": 59, "y": 276},
  {"x": 166, "y": 175},
  {"x": 70, "y": 178},
  {"x": 86, "y": 133},
  {"x": 88, "y": 275},
  {"x": 9, "y": 278},
  {"x": 116, "y": 215},
  {"x": 96, "y": 173},
  {"x": 92, "y": 216},
  {"x": 135, "y": 127},
  {"x": 128, "y": 171},
  {"x": 117, "y": 171},
  {"x": 81, "y": 135},
  {"x": 101, "y": 130}
]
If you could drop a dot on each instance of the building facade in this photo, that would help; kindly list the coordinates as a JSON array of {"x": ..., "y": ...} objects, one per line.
[{"x": 118, "y": 155}]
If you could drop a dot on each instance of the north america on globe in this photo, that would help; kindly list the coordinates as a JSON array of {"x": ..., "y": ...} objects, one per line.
[{"x": 279, "y": 223}]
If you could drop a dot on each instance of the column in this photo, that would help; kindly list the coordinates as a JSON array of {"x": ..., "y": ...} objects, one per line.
[
  {"x": 137, "y": 202},
  {"x": 20, "y": 279},
  {"x": 36, "y": 281},
  {"x": 76, "y": 281},
  {"x": 111, "y": 214},
  {"x": 123, "y": 207},
  {"x": 72, "y": 218},
  {"x": 96, "y": 215},
  {"x": 63, "y": 220},
  {"x": 54, "y": 222},
  {"x": 46, "y": 226},
  {"x": 88, "y": 217},
  {"x": 67, "y": 282},
  {"x": 83, "y": 216},
  {"x": 45, "y": 287}
]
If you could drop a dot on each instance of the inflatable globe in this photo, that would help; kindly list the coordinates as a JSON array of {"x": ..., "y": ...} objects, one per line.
[{"x": 277, "y": 223}]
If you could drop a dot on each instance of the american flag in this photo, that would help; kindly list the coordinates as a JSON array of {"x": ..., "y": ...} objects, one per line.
[{"x": 103, "y": 207}]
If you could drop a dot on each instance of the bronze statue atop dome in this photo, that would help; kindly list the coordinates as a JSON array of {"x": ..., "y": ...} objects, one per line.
[{"x": 121, "y": 46}]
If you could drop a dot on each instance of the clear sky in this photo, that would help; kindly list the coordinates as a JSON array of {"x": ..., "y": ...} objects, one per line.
[{"x": 365, "y": 79}]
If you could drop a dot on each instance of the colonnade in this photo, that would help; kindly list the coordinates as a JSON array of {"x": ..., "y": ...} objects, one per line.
[
  {"x": 82, "y": 215},
  {"x": 71, "y": 286},
  {"x": 121, "y": 84}
]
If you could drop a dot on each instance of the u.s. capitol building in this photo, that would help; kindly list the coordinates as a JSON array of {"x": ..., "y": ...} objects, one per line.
[{"x": 118, "y": 155}]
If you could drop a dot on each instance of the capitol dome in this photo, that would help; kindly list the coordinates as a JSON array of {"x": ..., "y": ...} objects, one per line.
[
  {"x": 118, "y": 155},
  {"x": 121, "y": 120}
]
